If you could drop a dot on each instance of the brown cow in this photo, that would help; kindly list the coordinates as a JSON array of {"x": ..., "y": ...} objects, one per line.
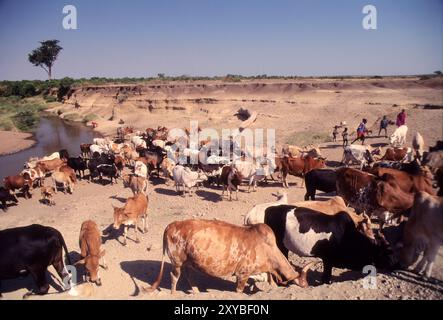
[
  {"x": 230, "y": 179},
  {"x": 135, "y": 207},
  {"x": 90, "y": 242},
  {"x": 395, "y": 154},
  {"x": 299, "y": 166},
  {"x": 221, "y": 249},
  {"x": 370, "y": 194},
  {"x": 65, "y": 179},
  {"x": 50, "y": 165},
  {"x": 68, "y": 171},
  {"x": 119, "y": 164},
  {"x": 13, "y": 183},
  {"x": 407, "y": 182},
  {"x": 135, "y": 183}
]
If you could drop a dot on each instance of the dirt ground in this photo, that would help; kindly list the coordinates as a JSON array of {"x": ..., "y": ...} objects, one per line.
[
  {"x": 137, "y": 265},
  {"x": 12, "y": 142}
]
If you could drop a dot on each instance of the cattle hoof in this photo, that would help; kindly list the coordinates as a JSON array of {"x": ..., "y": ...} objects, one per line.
[{"x": 137, "y": 241}]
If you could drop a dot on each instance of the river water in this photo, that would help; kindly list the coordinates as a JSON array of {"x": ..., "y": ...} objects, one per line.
[{"x": 52, "y": 135}]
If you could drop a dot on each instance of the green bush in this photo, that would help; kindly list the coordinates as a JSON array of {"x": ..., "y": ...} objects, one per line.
[
  {"x": 25, "y": 120},
  {"x": 72, "y": 117},
  {"x": 50, "y": 99},
  {"x": 64, "y": 87}
]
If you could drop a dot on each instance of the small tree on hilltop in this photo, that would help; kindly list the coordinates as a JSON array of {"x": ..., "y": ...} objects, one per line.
[{"x": 45, "y": 55}]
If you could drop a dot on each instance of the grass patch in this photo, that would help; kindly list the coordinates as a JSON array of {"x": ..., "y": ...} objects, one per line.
[
  {"x": 72, "y": 117},
  {"x": 90, "y": 117},
  {"x": 308, "y": 137},
  {"x": 16, "y": 113}
]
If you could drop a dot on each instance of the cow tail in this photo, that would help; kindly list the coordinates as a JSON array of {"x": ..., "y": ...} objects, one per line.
[
  {"x": 62, "y": 240},
  {"x": 155, "y": 285}
]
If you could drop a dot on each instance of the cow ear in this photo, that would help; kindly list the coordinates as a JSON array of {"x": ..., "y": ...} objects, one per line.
[
  {"x": 102, "y": 253},
  {"x": 81, "y": 261}
]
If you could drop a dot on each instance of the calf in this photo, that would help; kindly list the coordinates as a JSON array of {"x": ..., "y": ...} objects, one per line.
[
  {"x": 135, "y": 183},
  {"x": 332, "y": 238},
  {"x": 90, "y": 241},
  {"x": 6, "y": 196},
  {"x": 319, "y": 179},
  {"x": 135, "y": 208},
  {"x": 30, "y": 250},
  {"x": 13, "y": 183},
  {"x": 231, "y": 179},
  {"x": 221, "y": 249},
  {"x": 47, "y": 195},
  {"x": 423, "y": 233},
  {"x": 64, "y": 179}
]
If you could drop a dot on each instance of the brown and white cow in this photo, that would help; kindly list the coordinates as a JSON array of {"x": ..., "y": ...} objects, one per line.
[
  {"x": 13, "y": 183},
  {"x": 423, "y": 232},
  {"x": 299, "y": 166},
  {"x": 90, "y": 242},
  {"x": 50, "y": 165},
  {"x": 396, "y": 154},
  {"x": 222, "y": 249},
  {"x": 135, "y": 208},
  {"x": 231, "y": 180},
  {"x": 64, "y": 179},
  {"x": 135, "y": 183}
]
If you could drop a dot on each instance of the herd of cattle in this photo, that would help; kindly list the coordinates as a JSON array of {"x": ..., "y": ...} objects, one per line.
[{"x": 403, "y": 187}]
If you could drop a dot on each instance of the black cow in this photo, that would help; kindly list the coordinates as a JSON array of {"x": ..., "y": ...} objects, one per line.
[
  {"x": 319, "y": 179},
  {"x": 107, "y": 170},
  {"x": 79, "y": 165},
  {"x": 438, "y": 146},
  {"x": 98, "y": 160},
  {"x": 334, "y": 239},
  {"x": 30, "y": 250},
  {"x": 6, "y": 196}
]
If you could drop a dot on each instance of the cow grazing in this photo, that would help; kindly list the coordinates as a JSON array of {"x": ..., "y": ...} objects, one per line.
[
  {"x": 64, "y": 179},
  {"x": 332, "y": 238},
  {"x": 13, "y": 183},
  {"x": 90, "y": 242},
  {"x": 47, "y": 195},
  {"x": 257, "y": 213},
  {"x": 221, "y": 249},
  {"x": 423, "y": 232},
  {"x": 79, "y": 165},
  {"x": 184, "y": 177},
  {"x": 135, "y": 208},
  {"x": 398, "y": 138},
  {"x": 231, "y": 179},
  {"x": 299, "y": 166},
  {"x": 135, "y": 183},
  {"x": 30, "y": 250},
  {"x": 319, "y": 179},
  {"x": 5, "y": 197}
]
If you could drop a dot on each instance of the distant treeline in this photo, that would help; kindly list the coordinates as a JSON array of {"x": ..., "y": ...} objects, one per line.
[{"x": 29, "y": 88}]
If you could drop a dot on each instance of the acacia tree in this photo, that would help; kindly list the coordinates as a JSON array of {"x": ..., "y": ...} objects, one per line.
[{"x": 45, "y": 55}]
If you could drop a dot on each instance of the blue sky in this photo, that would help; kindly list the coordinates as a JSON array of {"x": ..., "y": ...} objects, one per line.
[{"x": 135, "y": 38}]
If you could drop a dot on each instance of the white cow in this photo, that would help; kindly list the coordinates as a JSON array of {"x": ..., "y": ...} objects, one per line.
[
  {"x": 96, "y": 148},
  {"x": 186, "y": 178},
  {"x": 137, "y": 141},
  {"x": 257, "y": 213},
  {"x": 102, "y": 142},
  {"x": 418, "y": 144},
  {"x": 398, "y": 138},
  {"x": 251, "y": 171},
  {"x": 140, "y": 169},
  {"x": 423, "y": 232}
]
